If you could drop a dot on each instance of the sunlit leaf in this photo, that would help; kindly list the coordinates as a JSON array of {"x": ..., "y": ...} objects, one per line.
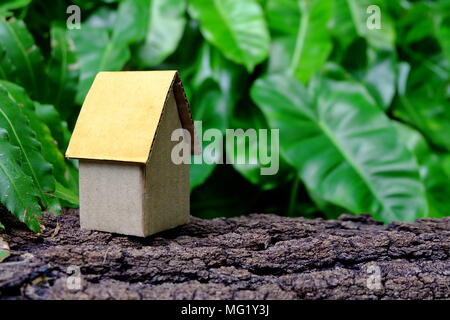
[
  {"x": 303, "y": 50},
  {"x": 236, "y": 27},
  {"x": 164, "y": 25}
]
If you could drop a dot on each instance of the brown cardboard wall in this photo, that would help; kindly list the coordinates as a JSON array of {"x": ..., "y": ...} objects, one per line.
[
  {"x": 111, "y": 197},
  {"x": 166, "y": 200}
]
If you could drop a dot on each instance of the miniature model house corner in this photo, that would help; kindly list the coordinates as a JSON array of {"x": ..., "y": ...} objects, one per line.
[{"x": 122, "y": 138}]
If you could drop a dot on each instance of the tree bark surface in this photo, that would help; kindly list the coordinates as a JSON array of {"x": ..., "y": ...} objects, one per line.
[{"x": 259, "y": 256}]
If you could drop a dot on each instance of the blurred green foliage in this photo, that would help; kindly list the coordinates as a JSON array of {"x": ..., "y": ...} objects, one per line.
[{"x": 363, "y": 113}]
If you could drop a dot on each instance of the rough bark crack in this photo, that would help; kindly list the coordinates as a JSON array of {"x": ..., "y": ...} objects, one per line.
[{"x": 259, "y": 256}]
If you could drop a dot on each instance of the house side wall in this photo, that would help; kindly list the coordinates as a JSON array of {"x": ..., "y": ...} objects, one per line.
[
  {"x": 111, "y": 197},
  {"x": 166, "y": 197}
]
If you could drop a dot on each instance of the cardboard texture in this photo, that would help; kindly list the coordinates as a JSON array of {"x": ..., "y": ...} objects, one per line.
[
  {"x": 121, "y": 113},
  {"x": 128, "y": 183}
]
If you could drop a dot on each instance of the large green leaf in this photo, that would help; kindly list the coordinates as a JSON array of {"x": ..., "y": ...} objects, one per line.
[
  {"x": 425, "y": 105},
  {"x": 216, "y": 86},
  {"x": 38, "y": 120},
  {"x": 26, "y": 57},
  {"x": 62, "y": 71},
  {"x": 107, "y": 52},
  {"x": 22, "y": 136},
  {"x": 17, "y": 190},
  {"x": 210, "y": 107},
  {"x": 283, "y": 16},
  {"x": 382, "y": 38},
  {"x": 45, "y": 112},
  {"x": 129, "y": 24},
  {"x": 305, "y": 49},
  {"x": 380, "y": 77},
  {"x": 343, "y": 28},
  {"x": 199, "y": 172},
  {"x": 344, "y": 147},
  {"x": 435, "y": 178},
  {"x": 6, "y": 66},
  {"x": 417, "y": 22},
  {"x": 94, "y": 56},
  {"x": 49, "y": 147},
  {"x": 248, "y": 117},
  {"x": 164, "y": 23},
  {"x": 236, "y": 27},
  {"x": 442, "y": 26}
]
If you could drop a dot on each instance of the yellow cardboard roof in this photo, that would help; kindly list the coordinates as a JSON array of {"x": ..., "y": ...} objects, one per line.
[{"x": 121, "y": 112}]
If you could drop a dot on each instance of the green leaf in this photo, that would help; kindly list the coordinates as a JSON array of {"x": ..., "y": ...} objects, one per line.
[
  {"x": 7, "y": 68},
  {"x": 4, "y": 254},
  {"x": 164, "y": 24},
  {"x": 283, "y": 16},
  {"x": 225, "y": 79},
  {"x": 435, "y": 179},
  {"x": 13, "y": 120},
  {"x": 107, "y": 52},
  {"x": 199, "y": 172},
  {"x": 425, "y": 105},
  {"x": 8, "y": 5},
  {"x": 380, "y": 77},
  {"x": 342, "y": 27},
  {"x": 26, "y": 57},
  {"x": 445, "y": 160},
  {"x": 382, "y": 38},
  {"x": 416, "y": 23},
  {"x": 443, "y": 36},
  {"x": 66, "y": 194},
  {"x": 38, "y": 119},
  {"x": 45, "y": 112},
  {"x": 343, "y": 146},
  {"x": 4, "y": 248},
  {"x": 50, "y": 116},
  {"x": 49, "y": 146},
  {"x": 248, "y": 116},
  {"x": 216, "y": 86},
  {"x": 236, "y": 27},
  {"x": 305, "y": 50},
  {"x": 95, "y": 56},
  {"x": 130, "y": 22},
  {"x": 210, "y": 106},
  {"x": 18, "y": 94},
  {"x": 17, "y": 190},
  {"x": 62, "y": 71}
]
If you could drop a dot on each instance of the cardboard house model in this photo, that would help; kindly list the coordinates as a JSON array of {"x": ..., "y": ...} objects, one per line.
[{"x": 122, "y": 138}]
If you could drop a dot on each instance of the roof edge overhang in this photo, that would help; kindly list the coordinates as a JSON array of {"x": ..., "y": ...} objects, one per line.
[{"x": 184, "y": 111}]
